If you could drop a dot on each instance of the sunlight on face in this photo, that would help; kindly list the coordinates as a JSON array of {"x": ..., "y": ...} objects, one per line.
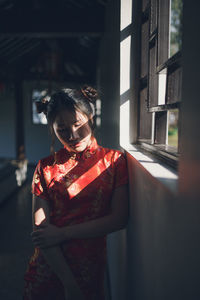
[{"x": 73, "y": 130}]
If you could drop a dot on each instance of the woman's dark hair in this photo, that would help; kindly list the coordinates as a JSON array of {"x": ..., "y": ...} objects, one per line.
[{"x": 82, "y": 99}]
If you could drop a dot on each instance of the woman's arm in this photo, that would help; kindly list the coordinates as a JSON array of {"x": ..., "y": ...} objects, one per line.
[
  {"x": 116, "y": 220},
  {"x": 54, "y": 255}
]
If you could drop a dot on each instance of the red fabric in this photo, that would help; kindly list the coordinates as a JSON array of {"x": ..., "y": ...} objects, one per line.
[{"x": 78, "y": 188}]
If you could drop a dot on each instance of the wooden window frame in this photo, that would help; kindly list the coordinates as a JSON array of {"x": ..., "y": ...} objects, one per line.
[{"x": 155, "y": 14}]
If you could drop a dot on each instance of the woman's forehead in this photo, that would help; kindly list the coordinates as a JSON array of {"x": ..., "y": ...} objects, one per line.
[{"x": 69, "y": 117}]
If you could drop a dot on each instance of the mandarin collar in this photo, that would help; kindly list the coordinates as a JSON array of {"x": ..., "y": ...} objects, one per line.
[{"x": 91, "y": 149}]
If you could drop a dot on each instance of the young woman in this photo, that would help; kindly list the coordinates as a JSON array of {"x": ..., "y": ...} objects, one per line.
[{"x": 79, "y": 196}]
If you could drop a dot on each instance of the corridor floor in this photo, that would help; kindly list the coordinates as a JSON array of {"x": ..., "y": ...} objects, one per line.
[{"x": 15, "y": 242}]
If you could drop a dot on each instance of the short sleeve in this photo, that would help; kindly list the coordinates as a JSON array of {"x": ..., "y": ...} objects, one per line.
[
  {"x": 121, "y": 170},
  {"x": 38, "y": 183}
]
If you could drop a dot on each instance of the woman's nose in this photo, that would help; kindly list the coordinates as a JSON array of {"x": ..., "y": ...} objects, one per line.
[{"x": 73, "y": 134}]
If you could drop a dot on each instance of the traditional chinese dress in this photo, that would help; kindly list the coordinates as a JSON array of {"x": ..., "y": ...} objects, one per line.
[{"x": 78, "y": 187}]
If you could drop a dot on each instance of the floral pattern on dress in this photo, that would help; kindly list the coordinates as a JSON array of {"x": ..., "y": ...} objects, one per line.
[{"x": 78, "y": 188}]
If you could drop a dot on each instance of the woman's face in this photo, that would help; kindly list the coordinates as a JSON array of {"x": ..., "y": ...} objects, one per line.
[{"x": 73, "y": 130}]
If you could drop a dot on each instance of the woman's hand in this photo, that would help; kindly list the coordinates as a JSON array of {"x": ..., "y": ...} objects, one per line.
[{"x": 47, "y": 235}]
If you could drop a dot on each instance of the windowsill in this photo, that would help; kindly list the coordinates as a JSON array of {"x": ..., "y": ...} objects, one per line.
[
  {"x": 159, "y": 170},
  {"x": 167, "y": 154}
]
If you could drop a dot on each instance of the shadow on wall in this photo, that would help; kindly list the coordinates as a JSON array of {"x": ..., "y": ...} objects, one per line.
[{"x": 163, "y": 240}]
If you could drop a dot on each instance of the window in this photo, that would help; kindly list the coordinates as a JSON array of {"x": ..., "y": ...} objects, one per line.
[
  {"x": 160, "y": 76},
  {"x": 37, "y": 95}
]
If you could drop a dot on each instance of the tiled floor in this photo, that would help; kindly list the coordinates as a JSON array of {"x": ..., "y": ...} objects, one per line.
[{"x": 15, "y": 242}]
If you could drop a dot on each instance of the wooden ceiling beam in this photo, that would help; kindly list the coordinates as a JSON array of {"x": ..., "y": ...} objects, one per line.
[
  {"x": 5, "y": 41},
  {"x": 19, "y": 48},
  {"x": 16, "y": 43},
  {"x": 23, "y": 52}
]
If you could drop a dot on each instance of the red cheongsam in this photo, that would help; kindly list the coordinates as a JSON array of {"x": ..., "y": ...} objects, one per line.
[{"x": 78, "y": 187}]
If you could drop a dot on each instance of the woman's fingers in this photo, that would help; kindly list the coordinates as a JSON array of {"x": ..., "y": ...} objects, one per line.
[
  {"x": 37, "y": 232},
  {"x": 49, "y": 235},
  {"x": 38, "y": 239}
]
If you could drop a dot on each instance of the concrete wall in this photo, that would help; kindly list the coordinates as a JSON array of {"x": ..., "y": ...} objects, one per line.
[
  {"x": 149, "y": 230},
  {"x": 162, "y": 244}
]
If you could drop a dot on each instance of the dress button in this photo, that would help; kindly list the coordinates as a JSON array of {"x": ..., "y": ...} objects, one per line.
[
  {"x": 73, "y": 156},
  {"x": 87, "y": 154}
]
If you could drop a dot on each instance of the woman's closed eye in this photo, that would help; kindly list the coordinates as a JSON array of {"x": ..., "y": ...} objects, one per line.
[
  {"x": 65, "y": 132},
  {"x": 78, "y": 124},
  {"x": 62, "y": 129}
]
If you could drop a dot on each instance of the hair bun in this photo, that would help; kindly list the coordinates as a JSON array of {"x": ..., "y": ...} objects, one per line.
[
  {"x": 41, "y": 106},
  {"x": 89, "y": 93}
]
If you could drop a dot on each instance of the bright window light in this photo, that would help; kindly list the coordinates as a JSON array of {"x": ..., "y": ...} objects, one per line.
[
  {"x": 125, "y": 65},
  {"x": 126, "y": 13},
  {"x": 98, "y": 112},
  {"x": 124, "y": 123},
  {"x": 162, "y": 78},
  {"x": 98, "y": 121},
  {"x": 37, "y": 95}
]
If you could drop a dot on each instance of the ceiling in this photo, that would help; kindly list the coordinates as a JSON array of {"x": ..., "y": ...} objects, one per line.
[{"x": 50, "y": 39}]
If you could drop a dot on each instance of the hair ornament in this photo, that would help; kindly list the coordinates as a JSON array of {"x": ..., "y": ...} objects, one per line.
[
  {"x": 89, "y": 93},
  {"x": 41, "y": 106}
]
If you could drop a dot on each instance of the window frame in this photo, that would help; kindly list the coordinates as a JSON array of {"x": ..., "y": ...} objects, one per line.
[{"x": 158, "y": 34}]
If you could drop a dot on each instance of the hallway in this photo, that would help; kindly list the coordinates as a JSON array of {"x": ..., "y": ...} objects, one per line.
[
  {"x": 143, "y": 58},
  {"x": 16, "y": 245}
]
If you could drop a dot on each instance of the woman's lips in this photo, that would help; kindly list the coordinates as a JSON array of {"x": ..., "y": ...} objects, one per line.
[{"x": 76, "y": 144}]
